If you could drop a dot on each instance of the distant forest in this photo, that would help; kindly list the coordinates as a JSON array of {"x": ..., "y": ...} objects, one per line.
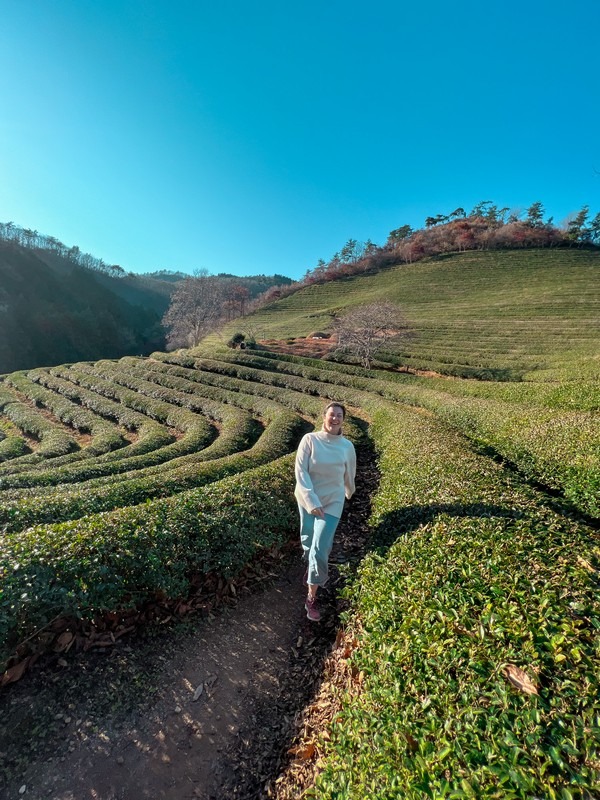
[{"x": 59, "y": 305}]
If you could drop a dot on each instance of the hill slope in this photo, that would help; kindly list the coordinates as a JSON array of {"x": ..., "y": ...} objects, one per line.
[
  {"x": 471, "y": 598},
  {"x": 502, "y": 314},
  {"x": 53, "y": 310}
]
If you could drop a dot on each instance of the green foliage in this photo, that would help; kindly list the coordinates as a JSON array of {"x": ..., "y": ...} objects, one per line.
[
  {"x": 53, "y": 440},
  {"x": 106, "y": 562},
  {"x": 69, "y": 413},
  {"x": 467, "y": 576},
  {"x": 493, "y": 315},
  {"x": 470, "y": 570},
  {"x": 560, "y": 450},
  {"x": 12, "y": 447},
  {"x": 22, "y": 507},
  {"x": 236, "y": 340}
]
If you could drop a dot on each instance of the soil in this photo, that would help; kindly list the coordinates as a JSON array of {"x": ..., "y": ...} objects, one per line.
[
  {"x": 311, "y": 348},
  {"x": 320, "y": 348},
  {"x": 205, "y": 708}
]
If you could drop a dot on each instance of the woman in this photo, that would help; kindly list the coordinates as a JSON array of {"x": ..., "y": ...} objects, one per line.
[{"x": 325, "y": 472}]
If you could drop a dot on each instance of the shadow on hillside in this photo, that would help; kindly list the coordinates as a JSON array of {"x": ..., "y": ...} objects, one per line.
[{"x": 396, "y": 523}]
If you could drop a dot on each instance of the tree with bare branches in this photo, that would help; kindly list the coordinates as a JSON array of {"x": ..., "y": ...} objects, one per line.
[
  {"x": 364, "y": 330},
  {"x": 196, "y": 309}
]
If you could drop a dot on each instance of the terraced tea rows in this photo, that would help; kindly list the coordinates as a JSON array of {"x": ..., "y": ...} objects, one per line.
[
  {"x": 142, "y": 472},
  {"x": 501, "y": 314}
]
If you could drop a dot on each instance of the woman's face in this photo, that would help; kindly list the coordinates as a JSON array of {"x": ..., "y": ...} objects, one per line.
[{"x": 332, "y": 420}]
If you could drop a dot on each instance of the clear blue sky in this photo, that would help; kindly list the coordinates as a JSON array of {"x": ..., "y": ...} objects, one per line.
[{"x": 251, "y": 137}]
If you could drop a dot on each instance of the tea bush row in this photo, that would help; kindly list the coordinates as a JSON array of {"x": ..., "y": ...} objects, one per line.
[
  {"x": 196, "y": 439},
  {"x": 11, "y": 444},
  {"x": 558, "y": 449},
  {"x": 561, "y": 451},
  {"x": 53, "y": 440},
  {"x": 218, "y": 403},
  {"x": 55, "y": 394},
  {"x": 470, "y": 576},
  {"x": 583, "y": 396},
  {"x": 103, "y": 402},
  {"x": 105, "y": 436},
  {"x": 294, "y": 400},
  {"x": 23, "y": 508},
  {"x": 189, "y": 443},
  {"x": 211, "y": 402},
  {"x": 199, "y": 433},
  {"x": 117, "y": 560},
  {"x": 12, "y": 447},
  {"x": 306, "y": 404}
]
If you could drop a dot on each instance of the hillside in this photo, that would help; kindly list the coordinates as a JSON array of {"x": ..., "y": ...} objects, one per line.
[
  {"x": 500, "y": 314},
  {"x": 57, "y": 307},
  {"x": 53, "y": 310},
  {"x": 459, "y": 640}
]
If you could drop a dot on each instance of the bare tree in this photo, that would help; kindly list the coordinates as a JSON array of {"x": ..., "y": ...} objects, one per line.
[
  {"x": 237, "y": 297},
  {"x": 364, "y": 330},
  {"x": 196, "y": 309}
]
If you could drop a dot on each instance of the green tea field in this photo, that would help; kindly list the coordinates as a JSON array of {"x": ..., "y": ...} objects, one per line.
[
  {"x": 468, "y": 660},
  {"x": 514, "y": 315}
]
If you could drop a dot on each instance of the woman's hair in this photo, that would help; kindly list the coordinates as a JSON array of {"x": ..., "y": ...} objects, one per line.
[{"x": 335, "y": 405}]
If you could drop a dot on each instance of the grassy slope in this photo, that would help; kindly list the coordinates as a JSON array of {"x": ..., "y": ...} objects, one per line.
[{"x": 523, "y": 311}]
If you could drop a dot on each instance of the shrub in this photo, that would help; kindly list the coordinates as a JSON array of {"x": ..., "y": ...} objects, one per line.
[
  {"x": 471, "y": 581},
  {"x": 115, "y": 560},
  {"x": 236, "y": 340},
  {"x": 20, "y": 508}
]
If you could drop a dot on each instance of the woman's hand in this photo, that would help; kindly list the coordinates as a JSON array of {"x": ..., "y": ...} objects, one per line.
[{"x": 318, "y": 512}]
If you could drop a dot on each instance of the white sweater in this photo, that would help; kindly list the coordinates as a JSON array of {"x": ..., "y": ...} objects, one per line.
[{"x": 325, "y": 472}]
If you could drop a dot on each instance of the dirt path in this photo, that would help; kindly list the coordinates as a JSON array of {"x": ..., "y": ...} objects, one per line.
[{"x": 209, "y": 713}]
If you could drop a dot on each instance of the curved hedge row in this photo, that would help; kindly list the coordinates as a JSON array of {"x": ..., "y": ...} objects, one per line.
[
  {"x": 12, "y": 447},
  {"x": 290, "y": 398},
  {"x": 22, "y": 508},
  {"x": 560, "y": 450},
  {"x": 471, "y": 573},
  {"x": 115, "y": 560},
  {"x": 149, "y": 422},
  {"x": 104, "y": 435},
  {"x": 156, "y": 447},
  {"x": 582, "y": 396},
  {"x": 53, "y": 441}
]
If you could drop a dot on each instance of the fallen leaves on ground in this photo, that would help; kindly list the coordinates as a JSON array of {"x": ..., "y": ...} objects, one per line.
[{"x": 105, "y": 630}]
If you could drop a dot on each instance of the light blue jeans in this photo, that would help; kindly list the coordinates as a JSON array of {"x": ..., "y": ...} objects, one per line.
[{"x": 316, "y": 536}]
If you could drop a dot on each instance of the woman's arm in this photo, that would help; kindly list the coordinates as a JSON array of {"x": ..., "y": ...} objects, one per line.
[
  {"x": 305, "y": 492},
  {"x": 350, "y": 472}
]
